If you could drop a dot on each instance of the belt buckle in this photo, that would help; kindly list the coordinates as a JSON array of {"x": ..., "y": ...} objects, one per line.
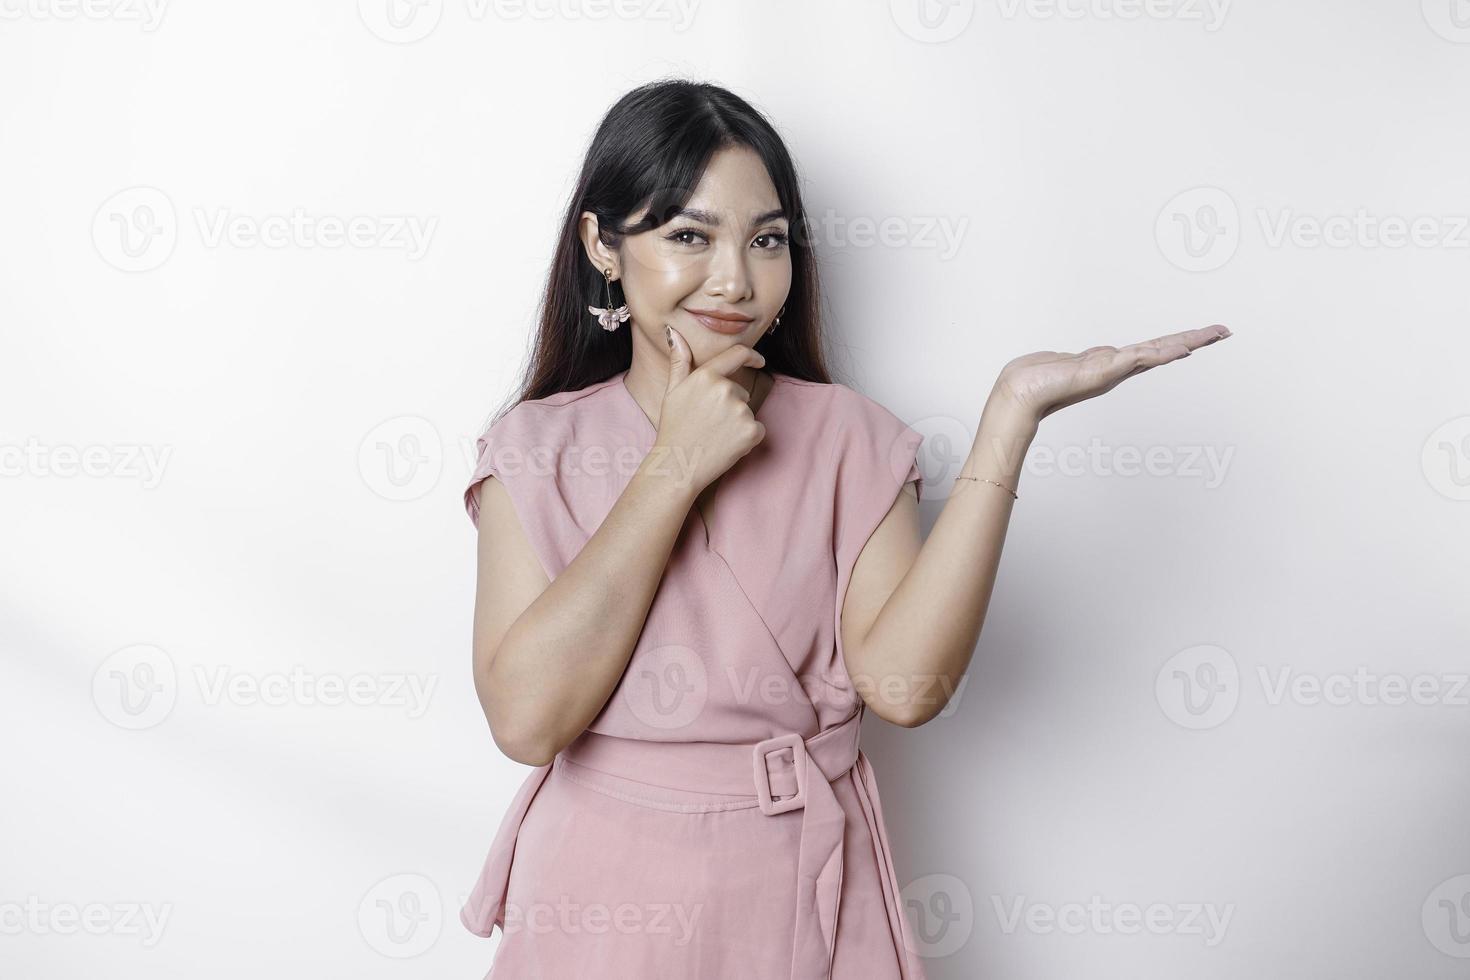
[{"x": 763, "y": 775}]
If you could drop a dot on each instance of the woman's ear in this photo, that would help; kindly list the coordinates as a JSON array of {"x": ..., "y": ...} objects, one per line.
[{"x": 598, "y": 253}]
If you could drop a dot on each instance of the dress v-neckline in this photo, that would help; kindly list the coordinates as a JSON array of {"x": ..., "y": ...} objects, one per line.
[{"x": 651, "y": 431}]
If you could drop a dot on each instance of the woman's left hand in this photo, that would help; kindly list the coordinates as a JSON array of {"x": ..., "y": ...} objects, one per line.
[{"x": 1038, "y": 384}]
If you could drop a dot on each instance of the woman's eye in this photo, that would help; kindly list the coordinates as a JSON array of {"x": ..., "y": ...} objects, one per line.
[
  {"x": 678, "y": 236},
  {"x": 778, "y": 238}
]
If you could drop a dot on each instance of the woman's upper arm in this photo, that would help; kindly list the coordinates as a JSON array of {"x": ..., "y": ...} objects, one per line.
[
  {"x": 509, "y": 576},
  {"x": 881, "y": 564}
]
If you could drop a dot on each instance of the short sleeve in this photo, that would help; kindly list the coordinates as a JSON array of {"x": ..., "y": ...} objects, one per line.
[
  {"x": 493, "y": 441},
  {"x": 876, "y": 454},
  {"x": 518, "y": 451}
]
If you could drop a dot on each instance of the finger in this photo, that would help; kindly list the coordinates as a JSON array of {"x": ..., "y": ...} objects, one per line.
[
  {"x": 732, "y": 359},
  {"x": 1191, "y": 339},
  {"x": 1138, "y": 358},
  {"x": 680, "y": 357}
]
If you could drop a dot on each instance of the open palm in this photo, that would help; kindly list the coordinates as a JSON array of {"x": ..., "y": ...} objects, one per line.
[{"x": 1048, "y": 380}]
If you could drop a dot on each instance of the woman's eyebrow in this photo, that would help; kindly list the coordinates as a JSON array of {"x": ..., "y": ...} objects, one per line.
[{"x": 712, "y": 219}]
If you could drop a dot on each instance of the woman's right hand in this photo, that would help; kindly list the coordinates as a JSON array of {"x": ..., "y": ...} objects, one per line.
[{"x": 706, "y": 422}]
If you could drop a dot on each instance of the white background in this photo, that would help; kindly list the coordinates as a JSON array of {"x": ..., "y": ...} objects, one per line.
[{"x": 311, "y": 411}]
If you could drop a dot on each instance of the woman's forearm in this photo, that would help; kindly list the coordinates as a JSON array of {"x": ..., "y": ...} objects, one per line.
[
  {"x": 560, "y": 661},
  {"x": 921, "y": 641}
]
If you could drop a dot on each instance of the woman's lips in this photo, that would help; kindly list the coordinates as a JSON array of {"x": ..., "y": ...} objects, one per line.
[{"x": 728, "y": 327}]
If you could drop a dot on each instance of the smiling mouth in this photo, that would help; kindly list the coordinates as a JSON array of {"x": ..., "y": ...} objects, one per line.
[{"x": 722, "y": 323}]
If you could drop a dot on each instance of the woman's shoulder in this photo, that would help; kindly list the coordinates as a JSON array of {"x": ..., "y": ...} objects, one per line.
[
  {"x": 545, "y": 417},
  {"x": 842, "y": 409}
]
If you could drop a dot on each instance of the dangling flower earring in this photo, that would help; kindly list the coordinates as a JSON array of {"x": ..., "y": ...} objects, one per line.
[{"x": 610, "y": 318}]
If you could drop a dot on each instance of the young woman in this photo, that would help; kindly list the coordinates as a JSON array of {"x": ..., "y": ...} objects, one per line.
[{"x": 700, "y": 562}]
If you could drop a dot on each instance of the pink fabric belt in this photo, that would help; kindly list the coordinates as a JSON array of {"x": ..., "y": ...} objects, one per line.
[{"x": 783, "y": 773}]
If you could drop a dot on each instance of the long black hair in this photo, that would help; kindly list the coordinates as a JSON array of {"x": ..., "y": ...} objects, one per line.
[{"x": 650, "y": 150}]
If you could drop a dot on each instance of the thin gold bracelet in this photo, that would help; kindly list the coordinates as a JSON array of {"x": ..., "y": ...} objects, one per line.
[{"x": 981, "y": 479}]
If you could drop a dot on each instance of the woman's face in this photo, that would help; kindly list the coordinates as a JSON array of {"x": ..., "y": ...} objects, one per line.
[{"x": 727, "y": 252}]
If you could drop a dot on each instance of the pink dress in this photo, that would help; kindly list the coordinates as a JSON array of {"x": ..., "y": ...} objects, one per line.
[{"x": 716, "y": 821}]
